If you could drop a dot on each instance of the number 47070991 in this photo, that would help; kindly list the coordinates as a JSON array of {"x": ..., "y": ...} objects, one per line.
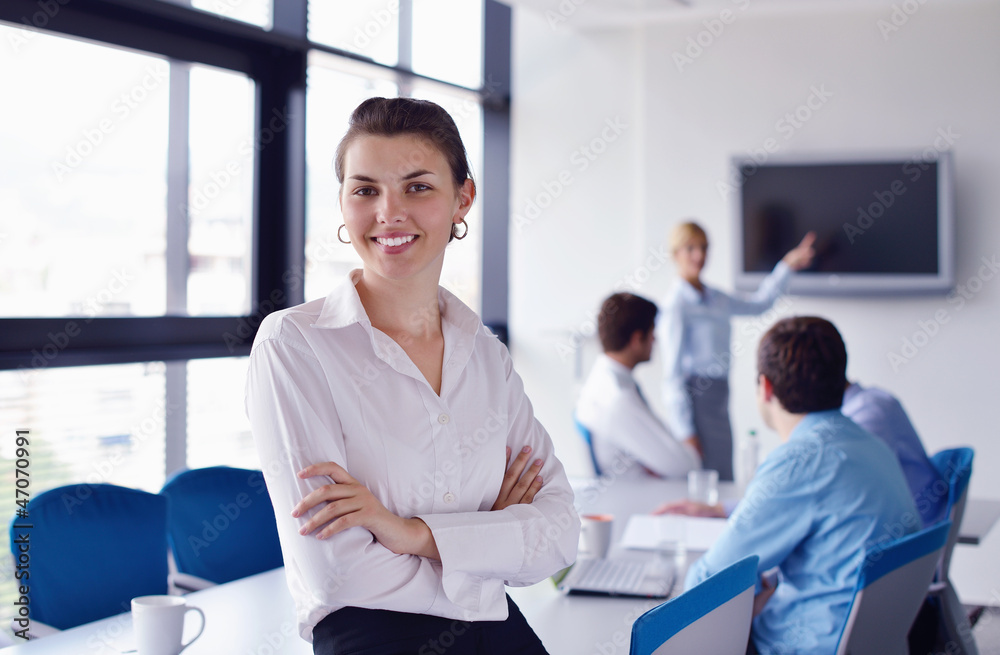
[{"x": 22, "y": 481}]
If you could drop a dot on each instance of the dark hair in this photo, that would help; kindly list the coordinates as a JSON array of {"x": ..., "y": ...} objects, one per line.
[
  {"x": 395, "y": 116},
  {"x": 805, "y": 359},
  {"x": 621, "y": 315}
]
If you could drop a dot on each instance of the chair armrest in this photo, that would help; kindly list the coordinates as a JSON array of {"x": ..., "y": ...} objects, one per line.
[{"x": 185, "y": 582}]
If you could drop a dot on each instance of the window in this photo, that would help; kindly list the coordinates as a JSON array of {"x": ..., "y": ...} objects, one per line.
[
  {"x": 368, "y": 28},
  {"x": 108, "y": 424},
  {"x": 457, "y": 23},
  {"x": 408, "y": 34},
  {"x": 219, "y": 207},
  {"x": 218, "y": 431},
  {"x": 85, "y": 205},
  {"x": 94, "y": 424}
]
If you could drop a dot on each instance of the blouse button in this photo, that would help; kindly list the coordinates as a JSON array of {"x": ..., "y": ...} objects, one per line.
[
  {"x": 443, "y": 419},
  {"x": 449, "y": 497}
]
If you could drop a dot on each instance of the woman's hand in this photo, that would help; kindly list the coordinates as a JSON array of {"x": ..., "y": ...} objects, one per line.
[
  {"x": 691, "y": 508},
  {"x": 801, "y": 255},
  {"x": 516, "y": 488},
  {"x": 349, "y": 504},
  {"x": 695, "y": 443}
]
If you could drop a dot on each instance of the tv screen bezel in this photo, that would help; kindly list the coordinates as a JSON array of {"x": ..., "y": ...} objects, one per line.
[{"x": 856, "y": 284}]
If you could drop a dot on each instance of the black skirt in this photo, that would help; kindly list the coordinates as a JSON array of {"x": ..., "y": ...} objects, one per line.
[
  {"x": 710, "y": 406},
  {"x": 359, "y": 631}
]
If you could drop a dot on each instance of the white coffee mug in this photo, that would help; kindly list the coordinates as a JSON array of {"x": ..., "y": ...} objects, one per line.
[
  {"x": 595, "y": 535},
  {"x": 158, "y": 624}
]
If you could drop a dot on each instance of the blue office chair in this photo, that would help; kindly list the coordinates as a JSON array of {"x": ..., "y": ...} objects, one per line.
[
  {"x": 713, "y": 617},
  {"x": 589, "y": 440},
  {"x": 955, "y": 465},
  {"x": 221, "y": 524},
  {"x": 93, "y": 547},
  {"x": 891, "y": 586}
]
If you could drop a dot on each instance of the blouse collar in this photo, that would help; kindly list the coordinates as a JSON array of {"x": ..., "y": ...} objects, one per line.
[{"x": 342, "y": 307}]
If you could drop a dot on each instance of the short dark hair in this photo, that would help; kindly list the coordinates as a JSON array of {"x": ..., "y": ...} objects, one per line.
[
  {"x": 805, "y": 359},
  {"x": 621, "y": 315}
]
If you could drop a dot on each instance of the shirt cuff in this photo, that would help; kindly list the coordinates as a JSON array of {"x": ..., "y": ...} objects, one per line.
[{"x": 490, "y": 547}]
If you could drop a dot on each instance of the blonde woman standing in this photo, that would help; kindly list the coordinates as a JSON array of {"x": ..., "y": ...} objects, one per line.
[{"x": 694, "y": 337}]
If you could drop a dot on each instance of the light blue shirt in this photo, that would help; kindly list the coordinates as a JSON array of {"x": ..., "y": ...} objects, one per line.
[
  {"x": 694, "y": 337},
  {"x": 814, "y": 506},
  {"x": 879, "y": 412}
]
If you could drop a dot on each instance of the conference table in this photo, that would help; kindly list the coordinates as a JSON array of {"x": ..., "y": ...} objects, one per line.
[
  {"x": 256, "y": 616},
  {"x": 602, "y": 625}
]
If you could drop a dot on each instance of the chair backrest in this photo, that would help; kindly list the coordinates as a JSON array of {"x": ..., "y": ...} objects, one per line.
[
  {"x": 955, "y": 465},
  {"x": 92, "y": 548},
  {"x": 221, "y": 523},
  {"x": 892, "y": 584},
  {"x": 712, "y": 618},
  {"x": 589, "y": 440}
]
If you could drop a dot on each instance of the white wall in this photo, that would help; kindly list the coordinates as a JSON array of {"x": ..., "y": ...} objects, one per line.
[
  {"x": 577, "y": 214},
  {"x": 940, "y": 70}
]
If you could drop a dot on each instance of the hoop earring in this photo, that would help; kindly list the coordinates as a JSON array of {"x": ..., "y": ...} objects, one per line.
[
  {"x": 340, "y": 238},
  {"x": 454, "y": 230}
]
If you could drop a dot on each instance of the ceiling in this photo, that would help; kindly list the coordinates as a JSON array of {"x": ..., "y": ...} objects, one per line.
[{"x": 631, "y": 13}]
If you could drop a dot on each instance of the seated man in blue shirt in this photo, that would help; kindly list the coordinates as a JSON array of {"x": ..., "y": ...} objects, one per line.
[
  {"x": 879, "y": 412},
  {"x": 818, "y": 501}
]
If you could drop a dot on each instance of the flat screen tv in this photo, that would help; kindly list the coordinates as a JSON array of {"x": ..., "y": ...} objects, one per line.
[{"x": 884, "y": 223}]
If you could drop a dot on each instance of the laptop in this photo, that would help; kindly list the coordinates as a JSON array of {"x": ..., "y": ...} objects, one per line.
[{"x": 619, "y": 577}]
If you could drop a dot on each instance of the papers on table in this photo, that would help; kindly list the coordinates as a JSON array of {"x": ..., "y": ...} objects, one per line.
[{"x": 648, "y": 532}]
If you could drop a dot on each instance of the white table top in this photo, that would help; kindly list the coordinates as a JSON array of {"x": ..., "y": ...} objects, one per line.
[
  {"x": 256, "y": 615},
  {"x": 249, "y": 616},
  {"x": 980, "y": 516}
]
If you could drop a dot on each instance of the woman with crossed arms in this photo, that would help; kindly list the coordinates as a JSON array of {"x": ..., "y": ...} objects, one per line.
[{"x": 400, "y": 511}]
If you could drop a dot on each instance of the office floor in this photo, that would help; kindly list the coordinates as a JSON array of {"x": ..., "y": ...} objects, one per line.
[{"x": 987, "y": 632}]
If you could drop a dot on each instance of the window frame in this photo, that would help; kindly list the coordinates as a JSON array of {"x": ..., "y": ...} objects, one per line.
[{"x": 276, "y": 60}]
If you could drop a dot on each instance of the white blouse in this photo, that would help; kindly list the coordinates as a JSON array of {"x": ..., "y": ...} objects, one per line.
[{"x": 324, "y": 385}]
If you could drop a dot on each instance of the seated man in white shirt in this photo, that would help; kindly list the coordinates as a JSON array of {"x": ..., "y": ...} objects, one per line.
[{"x": 628, "y": 438}]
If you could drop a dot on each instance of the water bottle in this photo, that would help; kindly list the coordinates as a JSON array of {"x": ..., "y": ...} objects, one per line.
[{"x": 749, "y": 454}]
